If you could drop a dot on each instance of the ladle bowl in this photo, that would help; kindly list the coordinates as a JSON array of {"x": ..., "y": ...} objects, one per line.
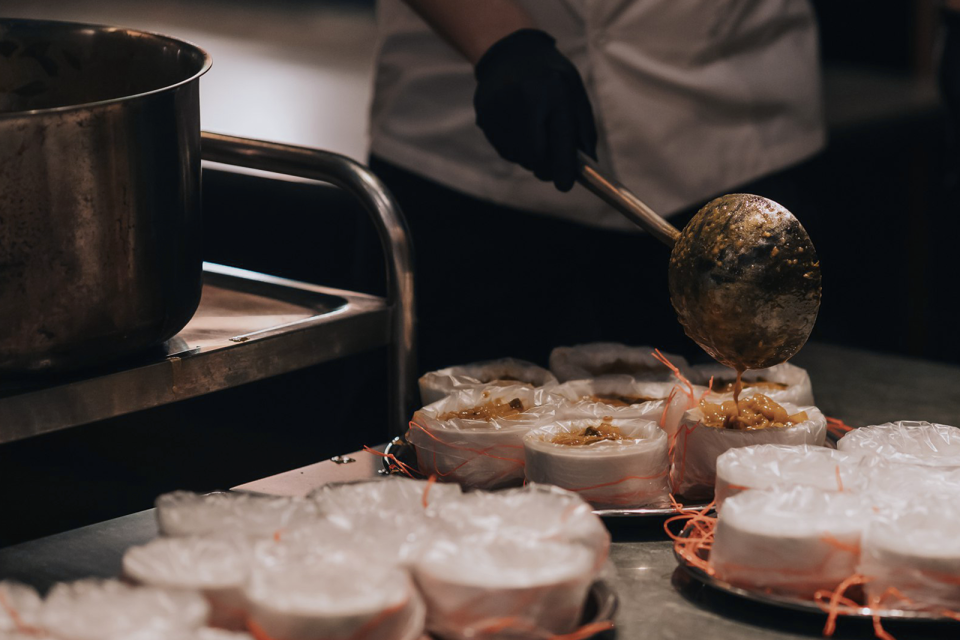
[{"x": 744, "y": 275}]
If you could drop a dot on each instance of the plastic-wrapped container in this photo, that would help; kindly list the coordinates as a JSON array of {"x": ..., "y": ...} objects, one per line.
[
  {"x": 216, "y": 567},
  {"x": 631, "y": 471},
  {"x": 907, "y": 441},
  {"x": 693, "y": 470},
  {"x": 437, "y": 385},
  {"x": 662, "y": 402},
  {"x": 797, "y": 388},
  {"x": 503, "y": 588},
  {"x": 20, "y": 607},
  {"x": 297, "y": 595},
  {"x": 184, "y": 513},
  {"x": 611, "y": 358},
  {"x": 893, "y": 487},
  {"x": 478, "y": 453},
  {"x": 789, "y": 541},
  {"x": 386, "y": 517},
  {"x": 766, "y": 465},
  {"x": 917, "y": 553},
  {"x": 112, "y": 610},
  {"x": 209, "y": 633},
  {"x": 535, "y": 512}
]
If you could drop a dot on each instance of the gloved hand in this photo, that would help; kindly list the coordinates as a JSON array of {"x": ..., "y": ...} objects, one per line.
[{"x": 532, "y": 106}]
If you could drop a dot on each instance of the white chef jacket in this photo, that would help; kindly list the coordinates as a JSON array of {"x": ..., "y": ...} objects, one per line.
[{"x": 691, "y": 98}]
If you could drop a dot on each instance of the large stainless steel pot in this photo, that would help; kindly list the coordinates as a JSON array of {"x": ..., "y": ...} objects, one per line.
[{"x": 99, "y": 192}]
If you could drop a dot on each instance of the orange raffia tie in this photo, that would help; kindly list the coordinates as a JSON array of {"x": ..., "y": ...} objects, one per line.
[
  {"x": 426, "y": 491},
  {"x": 841, "y": 546},
  {"x": 395, "y": 462},
  {"x": 700, "y": 539},
  {"x": 18, "y": 622},
  {"x": 832, "y": 607},
  {"x": 839, "y": 479},
  {"x": 838, "y": 427},
  {"x": 666, "y": 406},
  {"x": 669, "y": 365}
]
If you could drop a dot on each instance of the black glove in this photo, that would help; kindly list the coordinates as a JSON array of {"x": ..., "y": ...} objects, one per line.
[{"x": 533, "y": 107}]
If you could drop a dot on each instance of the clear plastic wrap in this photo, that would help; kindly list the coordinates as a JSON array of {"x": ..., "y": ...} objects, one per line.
[
  {"x": 20, "y": 607},
  {"x": 534, "y": 513},
  {"x": 668, "y": 400},
  {"x": 112, "y": 610},
  {"x": 184, "y": 513},
  {"x": 893, "y": 487},
  {"x": 799, "y": 389},
  {"x": 437, "y": 385},
  {"x": 298, "y": 595},
  {"x": 611, "y": 358},
  {"x": 912, "y": 558},
  {"x": 907, "y": 441},
  {"x": 694, "y": 458},
  {"x": 216, "y": 567},
  {"x": 765, "y": 465},
  {"x": 631, "y": 472},
  {"x": 485, "y": 454},
  {"x": 791, "y": 541},
  {"x": 503, "y": 588},
  {"x": 208, "y": 633},
  {"x": 385, "y": 517}
]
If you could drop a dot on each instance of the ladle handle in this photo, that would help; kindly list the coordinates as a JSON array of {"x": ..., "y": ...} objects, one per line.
[{"x": 621, "y": 199}]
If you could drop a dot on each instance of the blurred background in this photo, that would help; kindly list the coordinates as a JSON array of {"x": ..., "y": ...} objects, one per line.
[{"x": 880, "y": 204}]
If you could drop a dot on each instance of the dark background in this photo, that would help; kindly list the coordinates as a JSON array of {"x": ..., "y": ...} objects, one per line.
[{"x": 880, "y": 204}]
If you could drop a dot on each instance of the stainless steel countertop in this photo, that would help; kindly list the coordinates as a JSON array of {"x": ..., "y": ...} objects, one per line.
[{"x": 656, "y": 602}]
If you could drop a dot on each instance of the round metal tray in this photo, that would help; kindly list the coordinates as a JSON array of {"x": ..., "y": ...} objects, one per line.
[
  {"x": 401, "y": 450},
  {"x": 799, "y": 604}
]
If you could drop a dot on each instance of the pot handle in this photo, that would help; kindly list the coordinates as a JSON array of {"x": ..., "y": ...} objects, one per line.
[{"x": 357, "y": 180}]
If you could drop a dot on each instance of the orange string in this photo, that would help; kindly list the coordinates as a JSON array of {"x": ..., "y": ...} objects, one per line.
[
  {"x": 833, "y": 608},
  {"x": 426, "y": 492},
  {"x": 839, "y": 479},
  {"x": 395, "y": 463},
  {"x": 669, "y": 365},
  {"x": 18, "y": 621}
]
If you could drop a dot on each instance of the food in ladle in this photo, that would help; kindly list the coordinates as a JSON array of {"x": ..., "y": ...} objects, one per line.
[
  {"x": 756, "y": 412},
  {"x": 487, "y": 411},
  {"x": 589, "y": 435}
]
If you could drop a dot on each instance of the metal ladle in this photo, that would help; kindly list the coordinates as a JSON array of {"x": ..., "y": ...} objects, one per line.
[{"x": 744, "y": 276}]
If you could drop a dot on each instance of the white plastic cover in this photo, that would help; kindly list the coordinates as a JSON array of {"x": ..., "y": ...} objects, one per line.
[
  {"x": 209, "y": 633},
  {"x": 504, "y": 588},
  {"x": 799, "y": 389},
  {"x": 477, "y": 453},
  {"x": 112, "y": 610},
  {"x": 631, "y": 472},
  {"x": 437, "y": 385},
  {"x": 916, "y": 552},
  {"x": 791, "y": 541},
  {"x": 765, "y": 465},
  {"x": 535, "y": 513},
  {"x": 385, "y": 518},
  {"x": 19, "y": 607},
  {"x": 217, "y": 567},
  {"x": 671, "y": 399},
  {"x": 893, "y": 487},
  {"x": 297, "y": 595},
  {"x": 184, "y": 513},
  {"x": 694, "y": 459},
  {"x": 611, "y": 358},
  {"x": 908, "y": 441}
]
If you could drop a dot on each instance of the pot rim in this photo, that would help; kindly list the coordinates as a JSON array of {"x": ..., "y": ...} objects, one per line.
[{"x": 207, "y": 62}]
